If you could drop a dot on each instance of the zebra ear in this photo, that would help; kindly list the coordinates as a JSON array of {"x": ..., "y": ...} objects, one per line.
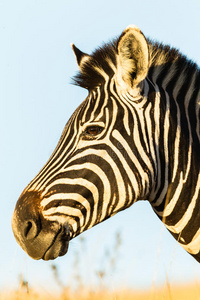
[
  {"x": 133, "y": 57},
  {"x": 80, "y": 56}
]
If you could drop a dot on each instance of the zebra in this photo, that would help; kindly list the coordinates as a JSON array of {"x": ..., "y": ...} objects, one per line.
[{"x": 136, "y": 136}]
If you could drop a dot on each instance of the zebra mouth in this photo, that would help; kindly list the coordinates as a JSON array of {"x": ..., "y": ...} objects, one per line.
[{"x": 58, "y": 247}]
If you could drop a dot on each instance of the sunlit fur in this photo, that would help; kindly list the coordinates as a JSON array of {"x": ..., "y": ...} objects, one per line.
[{"x": 148, "y": 148}]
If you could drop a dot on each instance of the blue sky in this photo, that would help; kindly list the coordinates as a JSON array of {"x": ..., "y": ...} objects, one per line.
[{"x": 37, "y": 99}]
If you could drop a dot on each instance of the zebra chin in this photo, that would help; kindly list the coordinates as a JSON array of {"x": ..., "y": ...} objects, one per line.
[
  {"x": 38, "y": 237},
  {"x": 58, "y": 247}
]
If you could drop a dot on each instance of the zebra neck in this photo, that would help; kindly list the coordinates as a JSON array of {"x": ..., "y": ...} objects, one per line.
[{"x": 175, "y": 83}]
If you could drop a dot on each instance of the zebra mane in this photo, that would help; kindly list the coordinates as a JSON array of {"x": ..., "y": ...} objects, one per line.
[
  {"x": 104, "y": 58},
  {"x": 101, "y": 59}
]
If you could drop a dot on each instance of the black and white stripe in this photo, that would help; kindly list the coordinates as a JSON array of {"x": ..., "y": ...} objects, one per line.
[{"x": 135, "y": 137}]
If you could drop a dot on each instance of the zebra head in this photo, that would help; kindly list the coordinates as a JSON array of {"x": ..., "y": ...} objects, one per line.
[
  {"x": 99, "y": 166},
  {"x": 135, "y": 137}
]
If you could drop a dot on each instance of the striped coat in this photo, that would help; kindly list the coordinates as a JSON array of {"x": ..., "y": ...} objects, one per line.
[{"x": 135, "y": 137}]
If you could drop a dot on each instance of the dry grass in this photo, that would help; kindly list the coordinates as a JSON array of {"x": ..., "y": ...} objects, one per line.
[
  {"x": 167, "y": 292},
  {"x": 191, "y": 292}
]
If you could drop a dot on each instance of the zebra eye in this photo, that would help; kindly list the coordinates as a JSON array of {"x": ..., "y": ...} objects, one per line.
[{"x": 93, "y": 130}]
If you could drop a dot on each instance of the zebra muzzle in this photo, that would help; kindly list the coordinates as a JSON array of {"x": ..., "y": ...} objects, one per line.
[{"x": 38, "y": 237}]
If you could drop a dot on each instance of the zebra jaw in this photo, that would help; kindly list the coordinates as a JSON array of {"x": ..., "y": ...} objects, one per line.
[{"x": 38, "y": 237}]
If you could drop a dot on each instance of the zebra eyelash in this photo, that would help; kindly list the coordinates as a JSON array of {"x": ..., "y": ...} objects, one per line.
[
  {"x": 92, "y": 132},
  {"x": 90, "y": 126}
]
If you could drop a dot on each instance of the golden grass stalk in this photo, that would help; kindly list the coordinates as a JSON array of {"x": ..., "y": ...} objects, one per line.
[{"x": 189, "y": 292}]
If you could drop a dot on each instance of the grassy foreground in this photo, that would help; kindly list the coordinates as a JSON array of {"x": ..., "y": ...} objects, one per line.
[{"x": 191, "y": 292}]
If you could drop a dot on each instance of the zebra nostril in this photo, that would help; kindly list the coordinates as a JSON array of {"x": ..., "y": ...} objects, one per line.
[{"x": 30, "y": 230}]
